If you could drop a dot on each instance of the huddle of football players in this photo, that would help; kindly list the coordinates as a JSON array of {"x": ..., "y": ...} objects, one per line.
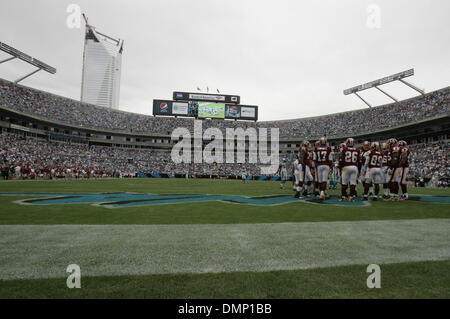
[{"x": 371, "y": 165}]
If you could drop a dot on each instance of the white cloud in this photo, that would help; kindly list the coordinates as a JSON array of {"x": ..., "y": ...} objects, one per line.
[{"x": 292, "y": 58}]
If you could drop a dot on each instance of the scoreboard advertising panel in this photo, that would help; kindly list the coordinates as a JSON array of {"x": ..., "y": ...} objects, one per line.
[
  {"x": 249, "y": 112},
  {"x": 180, "y": 108},
  {"x": 232, "y": 112},
  {"x": 165, "y": 107},
  {"x": 242, "y": 112},
  {"x": 205, "y": 97},
  {"x": 162, "y": 107}
]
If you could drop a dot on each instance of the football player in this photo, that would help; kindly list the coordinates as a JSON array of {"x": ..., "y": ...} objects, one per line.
[
  {"x": 304, "y": 170},
  {"x": 314, "y": 169},
  {"x": 296, "y": 178},
  {"x": 350, "y": 157},
  {"x": 340, "y": 161},
  {"x": 363, "y": 176},
  {"x": 243, "y": 173},
  {"x": 372, "y": 166},
  {"x": 311, "y": 184},
  {"x": 404, "y": 167},
  {"x": 386, "y": 169},
  {"x": 395, "y": 176},
  {"x": 283, "y": 173},
  {"x": 322, "y": 158},
  {"x": 335, "y": 177}
]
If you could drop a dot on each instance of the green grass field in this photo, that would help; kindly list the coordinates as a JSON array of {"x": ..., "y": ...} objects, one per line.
[{"x": 183, "y": 247}]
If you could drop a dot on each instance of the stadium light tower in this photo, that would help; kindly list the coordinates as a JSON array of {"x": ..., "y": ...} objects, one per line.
[
  {"x": 26, "y": 58},
  {"x": 102, "y": 66},
  {"x": 375, "y": 84}
]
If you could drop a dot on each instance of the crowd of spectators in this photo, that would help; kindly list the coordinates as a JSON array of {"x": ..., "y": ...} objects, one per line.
[
  {"x": 31, "y": 157},
  {"x": 430, "y": 163},
  {"x": 49, "y": 106},
  {"x": 27, "y": 157},
  {"x": 39, "y": 158}
]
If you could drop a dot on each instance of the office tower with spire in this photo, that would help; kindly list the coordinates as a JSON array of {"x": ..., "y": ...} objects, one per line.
[{"x": 102, "y": 66}]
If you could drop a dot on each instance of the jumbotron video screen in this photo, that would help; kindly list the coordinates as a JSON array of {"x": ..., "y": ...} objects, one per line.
[{"x": 211, "y": 110}]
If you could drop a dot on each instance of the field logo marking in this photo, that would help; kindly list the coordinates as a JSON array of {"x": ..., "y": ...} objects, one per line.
[{"x": 118, "y": 200}]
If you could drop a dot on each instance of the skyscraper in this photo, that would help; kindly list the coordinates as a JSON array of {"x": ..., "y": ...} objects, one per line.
[{"x": 102, "y": 64}]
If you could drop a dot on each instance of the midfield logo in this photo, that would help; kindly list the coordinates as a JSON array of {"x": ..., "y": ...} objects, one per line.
[{"x": 118, "y": 200}]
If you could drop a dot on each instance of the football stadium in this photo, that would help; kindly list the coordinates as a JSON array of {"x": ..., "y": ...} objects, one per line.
[{"x": 96, "y": 204}]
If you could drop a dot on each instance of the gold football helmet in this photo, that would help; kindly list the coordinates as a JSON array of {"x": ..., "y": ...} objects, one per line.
[
  {"x": 375, "y": 146},
  {"x": 350, "y": 142}
]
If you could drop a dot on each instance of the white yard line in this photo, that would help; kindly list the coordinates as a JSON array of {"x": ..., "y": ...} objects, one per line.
[{"x": 44, "y": 251}]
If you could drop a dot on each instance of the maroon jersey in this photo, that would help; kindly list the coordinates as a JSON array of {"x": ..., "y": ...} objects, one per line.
[
  {"x": 309, "y": 159},
  {"x": 395, "y": 156},
  {"x": 303, "y": 156},
  {"x": 386, "y": 158},
  {"x": 322, "y": 155},
  {"x": 350, "y": 156},
  {"x": 341, "y": 157},
  {"x": 375, "y": 158},
  {"x": 404, "y": 154}
]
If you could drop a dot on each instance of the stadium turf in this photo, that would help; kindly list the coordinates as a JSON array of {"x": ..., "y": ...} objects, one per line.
[
  {"x": 403, "y": 280},
  {"x": 218, "y": 249}
]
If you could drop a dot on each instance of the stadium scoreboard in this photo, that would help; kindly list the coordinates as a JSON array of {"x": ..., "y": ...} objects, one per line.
[{"x": 202, "y": 106}]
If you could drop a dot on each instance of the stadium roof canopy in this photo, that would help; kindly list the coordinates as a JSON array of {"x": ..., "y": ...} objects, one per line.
[
  {"x": 375, "y": 84},
  {"x": 26, "y": 58}
]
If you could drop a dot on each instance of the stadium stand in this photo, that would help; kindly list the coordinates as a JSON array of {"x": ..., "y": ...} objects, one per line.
[
  {"x": 36, "y": 158},
  {"x": 64, "y": 110},
  {"x": 61, "y": 155},
  {"x": 38, "y": 154}
]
